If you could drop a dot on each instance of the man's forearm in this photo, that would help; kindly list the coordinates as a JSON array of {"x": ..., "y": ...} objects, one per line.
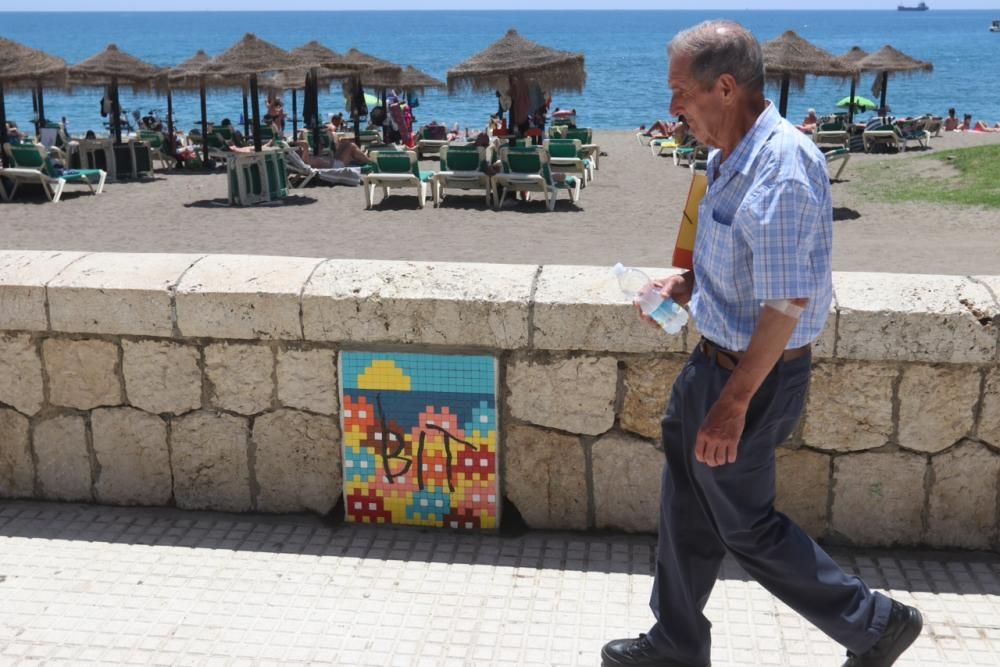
[{"x": 774, "y": 329}]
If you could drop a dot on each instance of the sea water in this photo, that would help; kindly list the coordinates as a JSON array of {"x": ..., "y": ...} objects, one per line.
[{"x": 625, "y": 55}]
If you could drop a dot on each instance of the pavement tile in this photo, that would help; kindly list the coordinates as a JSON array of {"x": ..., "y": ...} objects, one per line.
[{"x": 151, "y": 586}]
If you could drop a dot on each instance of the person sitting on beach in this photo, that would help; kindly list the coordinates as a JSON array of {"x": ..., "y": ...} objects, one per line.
[
  {"x": 808, "y": 125},
  {"x": 951, "y": 122},
  {"x": 966, "y": 122},
  {"x": 276, "y": 112},
  {"x": 12, "y": 130},
  {"x": 238, "y": 139},
  {"x": 680, "y": 132},
  {"x": 336, "y": 121}
]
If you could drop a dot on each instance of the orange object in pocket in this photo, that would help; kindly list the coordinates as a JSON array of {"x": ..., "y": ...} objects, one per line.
[{"x": 684, "y": 248}]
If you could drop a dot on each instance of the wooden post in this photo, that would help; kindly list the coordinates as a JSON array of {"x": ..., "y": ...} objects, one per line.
[
  {"x": 295, "y": 115},
  {"x": 255, "y": 103},
  {"x": 116, "y": 109},
  {"x": 172, "y": 144},
  {"x": 783, "y": 100},
  {"x": 885, "y": 84},
  {"x": 204, "y": 124},
  {"x": 850, "y": 107},
  {"x": 246, "y": 115},
  {"x": 3, "y": 129}
]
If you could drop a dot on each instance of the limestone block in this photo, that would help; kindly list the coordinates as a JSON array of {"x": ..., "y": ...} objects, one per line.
[
  {"x": 575, "y": 395},
  {"x": 936, "y": 406},
  {"x": 132, "y": 458},
  {"x": 307, "y": 379},
  {"x": 849, "y": 407},
  {"x": 23, "y": 276},
  {"x": 20, "y": 373},
  {"x": 963, "y": 497},
  {"x": 583, "y": 308},
  {"x": 544, "y": 475},
  {"x": 437, "y": 303},
  {"x": 824, "y": 346},
  {"x": 63, "y": 461},
  {"x": 17, "y": 472},
  {"x": 648, "y": 381},
  {"x": 209, "y": 460},
  {"x": 240, "y": 377},
  {"x": 914, "y": 317},
  {"x": 83, "y": 374},
  {"x": 627, "y": 473},
  {"x": 235, "y": 296},
  {"x": 803, "y": 480},
  {"x": 297, "y": 462},
  {"x": 989, "y": 418},
  {"x": 878, "y": 498},
  {"x": 117, "y": 293},
  {"x": 161, "y": 376}
]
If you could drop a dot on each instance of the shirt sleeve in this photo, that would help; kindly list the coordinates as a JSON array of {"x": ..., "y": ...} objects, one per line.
[{"x": 785, "y": 220}]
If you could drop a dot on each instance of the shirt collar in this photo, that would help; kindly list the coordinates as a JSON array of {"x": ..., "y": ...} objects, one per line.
[{"x": 750, "y": 145}]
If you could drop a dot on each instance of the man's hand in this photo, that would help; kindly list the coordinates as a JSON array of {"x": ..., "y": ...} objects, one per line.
[
  {"x": 719, "y": 435},
  {"x": 677, "y": 287}
]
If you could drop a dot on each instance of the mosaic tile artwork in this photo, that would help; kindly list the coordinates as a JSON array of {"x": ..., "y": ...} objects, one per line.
[{"x": 420, "y": 439}]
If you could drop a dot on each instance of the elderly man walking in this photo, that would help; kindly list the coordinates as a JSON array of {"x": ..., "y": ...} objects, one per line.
[{"x": 759, "y": 293}]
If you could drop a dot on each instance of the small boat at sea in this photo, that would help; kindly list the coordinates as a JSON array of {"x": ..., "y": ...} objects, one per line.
[
  {"x": 922, "y": 7},
  {"x": 995, "y": 27}
]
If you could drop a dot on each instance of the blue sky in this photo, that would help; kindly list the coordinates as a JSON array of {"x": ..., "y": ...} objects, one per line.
[{"x": 517, "y": 5}]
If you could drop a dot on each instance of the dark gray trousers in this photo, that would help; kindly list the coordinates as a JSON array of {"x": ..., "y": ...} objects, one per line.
[{"x": 705, "y": 512}]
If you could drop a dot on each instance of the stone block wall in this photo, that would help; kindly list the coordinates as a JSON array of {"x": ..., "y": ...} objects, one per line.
[{"x": 211, "y": 382}]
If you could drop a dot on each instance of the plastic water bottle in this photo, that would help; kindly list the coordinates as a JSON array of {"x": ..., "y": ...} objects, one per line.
[{"x": 637, "y": 285}]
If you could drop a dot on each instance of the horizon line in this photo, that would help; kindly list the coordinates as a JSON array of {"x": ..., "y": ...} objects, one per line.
[{"x": 473, "y": 9}]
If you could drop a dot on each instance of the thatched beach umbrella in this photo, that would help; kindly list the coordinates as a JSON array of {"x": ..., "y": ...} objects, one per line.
[
  {"x": 317, "y": 57},
  {"x": 364, "y": 68},
  {"x": 515, "y": 56},
  {"x": 251, "y": 57},
  {"x": 789, "y": 58},
  {"x": 24, "y": 67},
  {"x": 850, "y": 60},
  {"x": 190, "y": 74},
  {"x": 886, "y": 60},
  {"x": 411, "y": 79},
  {"x": 107, "y": 70},
  {"x": 112, "y": 67}
]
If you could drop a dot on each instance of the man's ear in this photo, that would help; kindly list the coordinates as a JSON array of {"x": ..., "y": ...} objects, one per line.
[{"x": 726, "y": 85}]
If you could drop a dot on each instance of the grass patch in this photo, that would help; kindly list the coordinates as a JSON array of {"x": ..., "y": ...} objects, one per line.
[{"x": 967, "y": 177}]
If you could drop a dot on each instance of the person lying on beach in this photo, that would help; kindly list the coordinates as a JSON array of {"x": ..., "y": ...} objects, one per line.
[
  {"x": 345, "y": 154},
  {"x": 951, "y": 122},
  {"x": 982, "y": 126},
  {"x": 660, "y": 128},
  {"x": 809, "y": 123}
]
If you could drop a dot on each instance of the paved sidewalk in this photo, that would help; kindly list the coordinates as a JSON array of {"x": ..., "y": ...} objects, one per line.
[{"x": 84, "y": 584}]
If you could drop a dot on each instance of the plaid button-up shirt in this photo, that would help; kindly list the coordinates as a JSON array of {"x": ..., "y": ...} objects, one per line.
[{"x": 765, "y": 231}]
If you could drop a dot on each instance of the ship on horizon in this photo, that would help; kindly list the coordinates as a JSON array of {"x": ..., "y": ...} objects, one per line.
[{"x": 922, "y": 7}]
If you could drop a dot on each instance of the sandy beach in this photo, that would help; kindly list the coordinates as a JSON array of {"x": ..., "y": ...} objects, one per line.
[{"x": 630, "y": 213}]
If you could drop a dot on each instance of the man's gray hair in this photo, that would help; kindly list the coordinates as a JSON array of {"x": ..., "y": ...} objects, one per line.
[{"x": 721, "y": 47}]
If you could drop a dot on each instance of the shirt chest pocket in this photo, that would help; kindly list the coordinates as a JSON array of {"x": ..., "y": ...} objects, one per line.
[{"x": 722, "y": 217}]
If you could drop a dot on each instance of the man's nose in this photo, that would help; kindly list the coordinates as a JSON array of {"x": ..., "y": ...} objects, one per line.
[{"x": 674, "y": 107}]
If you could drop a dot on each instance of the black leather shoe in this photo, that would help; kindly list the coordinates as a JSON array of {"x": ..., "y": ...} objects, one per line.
[
  {"x": 901, "y": 630},
  {"x": 635, "y": 653}
]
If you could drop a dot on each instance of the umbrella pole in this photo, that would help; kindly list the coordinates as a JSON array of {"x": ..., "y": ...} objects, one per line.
[
  {"x": 885, "y": 83},
  {"x": 204, "y": 124},
  {"x": 255, "y": 103},
  {"x": 3, "y": 129},
  {"x": 783, "y": 100},
  {"x": 385, "y": 108},
  {"x": 41, "y": 106},
  {"x": 850, "y": 105},
  {"x": 359, "y": 93},
  {"x": 295, "y": 115},
  {"x": 313, "y": 84},
  {"x": 246, "y": 115},
  {"x": 116, "y": 110},
  {"x": 34, "y": 109},
  {"x": 171, "y": 149}
]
